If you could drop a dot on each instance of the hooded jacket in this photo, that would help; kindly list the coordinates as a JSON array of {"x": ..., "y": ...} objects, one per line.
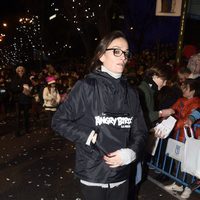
[
  {"x": 111, "y": 108},
  {"x": 147, "y": 91}
]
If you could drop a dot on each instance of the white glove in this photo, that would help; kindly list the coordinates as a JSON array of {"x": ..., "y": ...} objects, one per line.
[
  {"x": 163, "y": 129},
  {"x": 127, "y": 155}
]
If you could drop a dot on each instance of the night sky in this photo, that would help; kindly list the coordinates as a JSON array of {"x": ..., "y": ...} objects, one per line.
[
  {"x": 10, "y": 7},
  {"x": 73, "y": 33}
]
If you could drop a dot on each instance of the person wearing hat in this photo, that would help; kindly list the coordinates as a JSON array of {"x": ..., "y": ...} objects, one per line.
[{"x": 51, "y": 98}]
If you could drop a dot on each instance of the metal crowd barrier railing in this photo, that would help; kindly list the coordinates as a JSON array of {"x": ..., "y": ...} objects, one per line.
[{"x": 169, "y": 166}]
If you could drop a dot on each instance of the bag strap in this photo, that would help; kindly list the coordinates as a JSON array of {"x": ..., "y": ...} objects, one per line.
[{"x": 186, "y": 132}]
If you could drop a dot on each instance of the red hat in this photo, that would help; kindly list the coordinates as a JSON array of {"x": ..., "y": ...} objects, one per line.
[
  {"x": 50, "y": 80},
  {"x": 189, "y": 50}
]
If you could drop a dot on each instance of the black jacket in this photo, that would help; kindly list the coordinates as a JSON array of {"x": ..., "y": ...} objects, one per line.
[
  {"x": 17, "y": 89},
  {"x": 111, "y": 108}
]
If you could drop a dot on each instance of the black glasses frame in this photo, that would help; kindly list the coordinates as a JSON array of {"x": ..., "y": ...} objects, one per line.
[{"x": 127, "y": 54}]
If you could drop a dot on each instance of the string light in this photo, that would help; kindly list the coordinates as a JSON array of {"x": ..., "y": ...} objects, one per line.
[{"x": 27, "y": 40}]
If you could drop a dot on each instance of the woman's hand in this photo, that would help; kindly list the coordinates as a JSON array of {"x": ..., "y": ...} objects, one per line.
[
  {"x": 113, "y": 159},
  {"x": 159, "y": 133}
]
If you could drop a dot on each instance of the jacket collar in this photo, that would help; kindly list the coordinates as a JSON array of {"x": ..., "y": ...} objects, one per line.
[{"x": 151, "y": 84}]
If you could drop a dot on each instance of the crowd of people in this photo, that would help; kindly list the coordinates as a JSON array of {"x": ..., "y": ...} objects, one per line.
[
  {"x": 109, "y": 117},
  {"x": 26, "y": 94}
]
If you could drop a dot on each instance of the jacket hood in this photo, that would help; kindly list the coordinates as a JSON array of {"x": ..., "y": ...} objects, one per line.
[{"x": 99, "y": 74}]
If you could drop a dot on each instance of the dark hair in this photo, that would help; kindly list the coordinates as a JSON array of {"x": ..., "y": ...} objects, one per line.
[
  {"x": 160, "y": 70},
  {"x": 102, "y": 46},
  {"x": 194, "y": 85},
  {"x": 35, "y": 79},
  {"x": 184, "y": 70}
]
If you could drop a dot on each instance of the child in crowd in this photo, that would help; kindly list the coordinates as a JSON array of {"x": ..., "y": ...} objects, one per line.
[{"x": 182, "y": 108}]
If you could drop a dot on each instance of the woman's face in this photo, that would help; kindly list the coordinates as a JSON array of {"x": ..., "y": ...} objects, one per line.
[
  {"x": 20, "y": 72},
  {"x": 53, "y": 85},
  {"x": 160, "y": 82},
  {"x": 114, "y": 58}
]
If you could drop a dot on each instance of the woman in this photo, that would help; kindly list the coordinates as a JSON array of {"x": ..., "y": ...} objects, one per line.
[
  {"x": 154, "y": 79},
  {"x": 102, "y": 115},
  {"x": 21, "y": 90},
  {"x": 51, "y": 98}
]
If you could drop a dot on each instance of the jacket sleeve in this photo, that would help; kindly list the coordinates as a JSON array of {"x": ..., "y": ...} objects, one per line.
[
  {"x": 65, "y": 119},
  {"x": 195, "y": 115},
  {"x": 147, "y": 103},
  {"x": 139, "y": 132},
  {"x": 16, "y": 87},
  {"x": 46, "y": 95}
]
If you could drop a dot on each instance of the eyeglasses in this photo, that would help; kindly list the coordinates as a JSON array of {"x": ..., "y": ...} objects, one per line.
[{"x": 119, "y": 52}]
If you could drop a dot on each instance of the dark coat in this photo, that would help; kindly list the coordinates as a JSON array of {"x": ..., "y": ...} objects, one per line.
[
  {"x": 111, "y": 108},
  {"x": 17, "y": 89}
]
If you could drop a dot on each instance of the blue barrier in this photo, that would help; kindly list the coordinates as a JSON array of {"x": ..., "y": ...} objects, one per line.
[{"x": 169, "y": 166}]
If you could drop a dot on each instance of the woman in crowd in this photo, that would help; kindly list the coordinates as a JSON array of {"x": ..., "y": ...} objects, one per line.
[
  {"x": 154, "y": 79},
  {"x": 21, "y": 89},
  {"x": 103, "y": 117},
  {"x": 51, "y": 98}
]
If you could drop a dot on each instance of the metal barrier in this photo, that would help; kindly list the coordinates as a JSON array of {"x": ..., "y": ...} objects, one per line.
[{"x": 169, "y": 166}]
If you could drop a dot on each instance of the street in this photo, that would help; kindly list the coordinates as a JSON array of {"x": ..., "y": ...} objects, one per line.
[{"x": 39, "y": 166}]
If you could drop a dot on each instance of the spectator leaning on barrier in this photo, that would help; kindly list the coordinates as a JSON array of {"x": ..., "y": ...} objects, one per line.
[
  {"x": 183, "y": 108},
  {"x": 154, "y": 79},
  {"x": 167, "y": 96},
  {"x": 192, "y": 118}
]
